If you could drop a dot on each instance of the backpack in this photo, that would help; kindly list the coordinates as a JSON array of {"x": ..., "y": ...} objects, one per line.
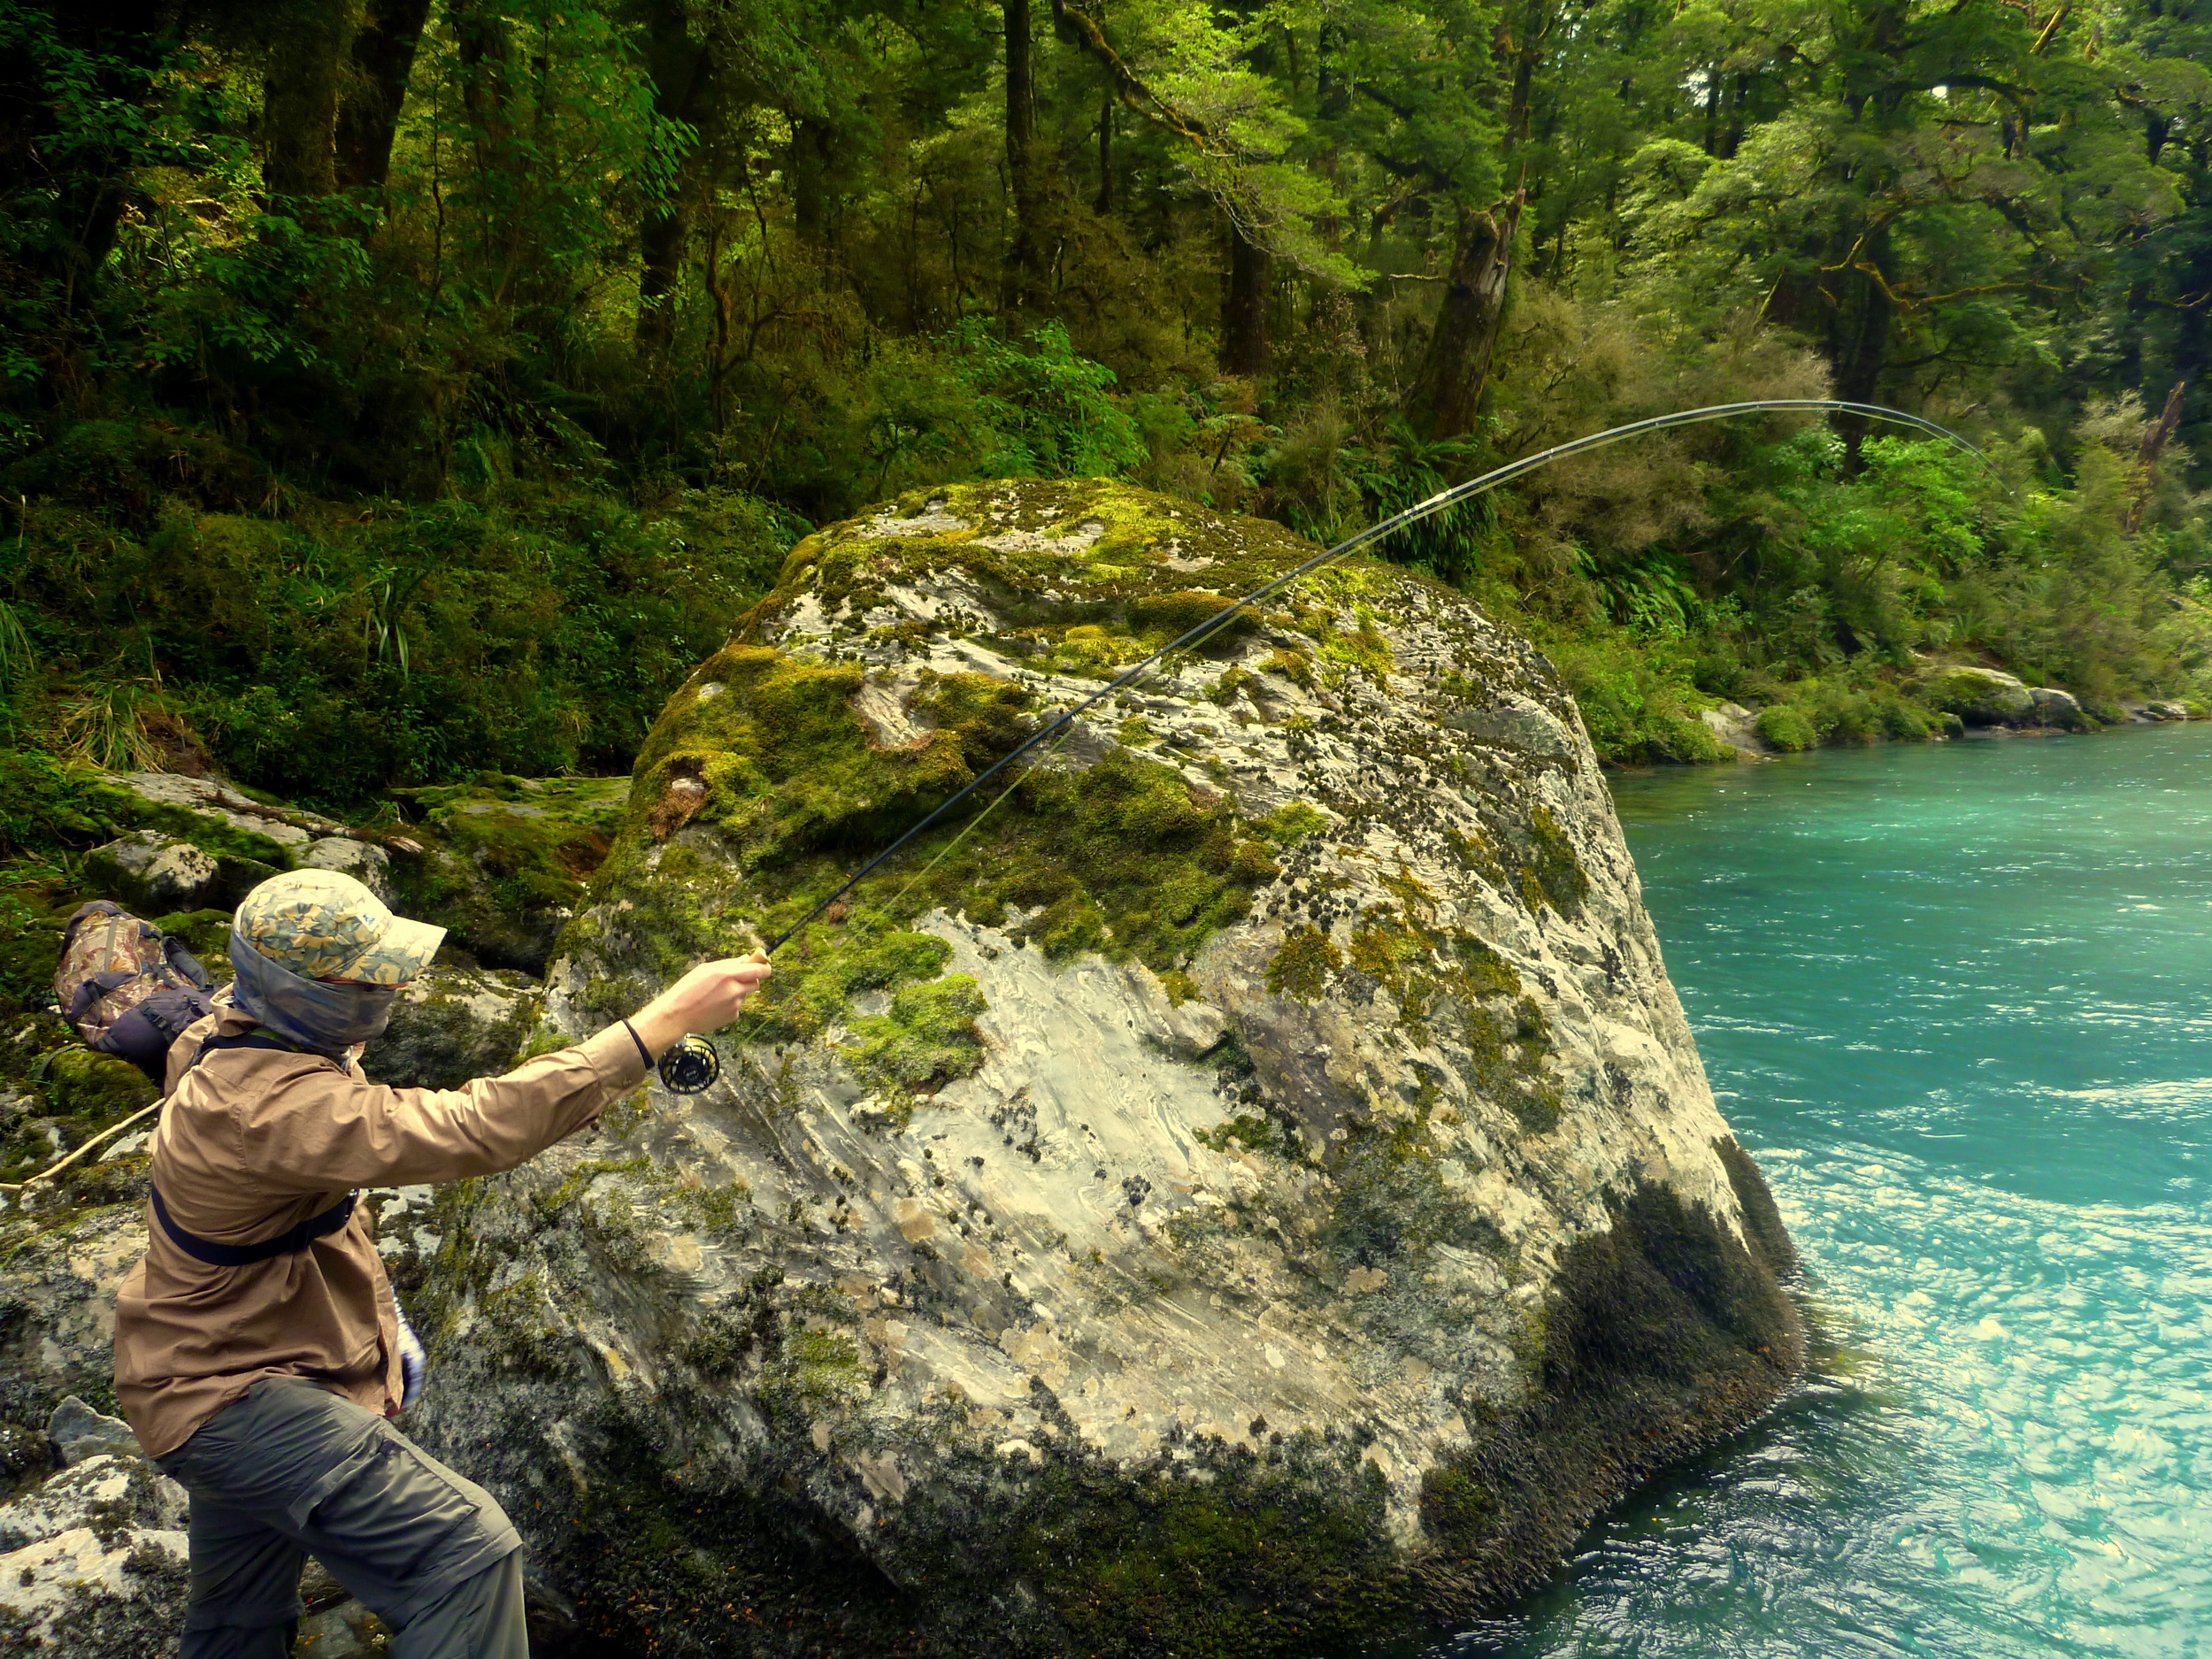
[{"x": 129, "y": 988}]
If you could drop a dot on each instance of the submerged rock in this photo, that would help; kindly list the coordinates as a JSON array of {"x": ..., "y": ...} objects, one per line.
[{"x": 1256, "y": 1180}]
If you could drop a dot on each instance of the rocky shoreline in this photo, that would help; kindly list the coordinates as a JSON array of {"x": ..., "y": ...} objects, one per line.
[
  {"x": 1948, "y": 701},
  {"x": 1255, "y": 1186}
]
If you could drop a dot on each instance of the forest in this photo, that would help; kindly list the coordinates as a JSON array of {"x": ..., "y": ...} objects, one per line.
[{"x": 396, "y": 391}]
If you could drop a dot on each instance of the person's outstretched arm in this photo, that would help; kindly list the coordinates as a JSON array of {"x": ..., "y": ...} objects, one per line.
[{"x": 365, "y": 1134}]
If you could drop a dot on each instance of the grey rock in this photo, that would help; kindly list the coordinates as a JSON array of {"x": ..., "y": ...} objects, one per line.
[
  {"x": 101, "y": 1488},
  {"x": 154, "y": 872},
  {"x": 224, "y": 805},
  {"x": 365, "y": 861},
  {"x": 1518, "y": 722},
  {"x": 1735, "y": 726},
  {"x": 454, "y": 1024},
  {"x": 1363, "y": 1206},
  {"x": 77, "y": 1432},
  {"x": 59, "y": 1280},
  {"x": 95, "y": 1563},
  {"x": 2062, "y": 709},
  {"x": 344, "y": 1631}
]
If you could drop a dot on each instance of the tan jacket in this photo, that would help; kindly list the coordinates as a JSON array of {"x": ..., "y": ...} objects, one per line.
[{"x": 252, "y": 1142}]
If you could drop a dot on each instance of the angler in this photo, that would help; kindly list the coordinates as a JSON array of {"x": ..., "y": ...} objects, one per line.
[{"x": 260, "y": 1355}]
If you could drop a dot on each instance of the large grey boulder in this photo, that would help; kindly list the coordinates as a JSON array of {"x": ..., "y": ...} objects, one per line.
[
  {"x": 154, "y": 872},
  {"x": 1257, "y": 1183},
  {"x": 366, "y": 862}
]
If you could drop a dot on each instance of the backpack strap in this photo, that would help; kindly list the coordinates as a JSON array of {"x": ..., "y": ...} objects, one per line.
[{"x": 285, "y": 1243}]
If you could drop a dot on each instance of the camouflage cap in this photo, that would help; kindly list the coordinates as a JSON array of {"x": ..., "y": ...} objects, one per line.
[{"x": 322, "y": 925}]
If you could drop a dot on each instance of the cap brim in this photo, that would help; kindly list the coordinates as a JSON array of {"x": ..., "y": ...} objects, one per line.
[{"x": 400, "y": 956}]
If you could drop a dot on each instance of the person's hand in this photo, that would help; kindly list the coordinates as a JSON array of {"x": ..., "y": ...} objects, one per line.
[{"x": 706, "y": 999}]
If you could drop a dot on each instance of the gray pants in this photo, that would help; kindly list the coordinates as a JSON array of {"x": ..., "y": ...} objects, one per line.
[{"x": 293, "y": 1470}]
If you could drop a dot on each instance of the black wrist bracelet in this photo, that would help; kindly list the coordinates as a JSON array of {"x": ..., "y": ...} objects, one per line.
[{"x": 643, "y": 1053}]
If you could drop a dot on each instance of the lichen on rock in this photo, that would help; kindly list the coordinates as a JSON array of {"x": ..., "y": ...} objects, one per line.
[{"x": 1252, "y": 1180}]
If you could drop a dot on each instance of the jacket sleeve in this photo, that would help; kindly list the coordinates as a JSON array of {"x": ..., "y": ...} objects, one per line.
[{"x": 357, "y": 1133}]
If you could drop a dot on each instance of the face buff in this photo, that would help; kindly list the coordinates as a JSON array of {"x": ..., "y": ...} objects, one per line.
[{"x": 328, "y": 1018}]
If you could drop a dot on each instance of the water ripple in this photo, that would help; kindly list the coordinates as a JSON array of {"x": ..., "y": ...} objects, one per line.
[{"x": 1953, "y": 999}]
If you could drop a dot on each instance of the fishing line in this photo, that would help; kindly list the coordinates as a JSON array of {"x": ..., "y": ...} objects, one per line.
[{"x": 1444, "y": 498}]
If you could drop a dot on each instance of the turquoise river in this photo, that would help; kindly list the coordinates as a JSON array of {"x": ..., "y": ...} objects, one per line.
[{"x": 1958, "y": 1000}]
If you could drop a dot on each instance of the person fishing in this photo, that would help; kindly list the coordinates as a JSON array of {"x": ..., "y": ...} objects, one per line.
[{"x": 259, "y": 1351}]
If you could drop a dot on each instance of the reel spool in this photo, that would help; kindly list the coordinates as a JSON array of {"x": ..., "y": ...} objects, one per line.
[{"x": 691, "y": 1067}]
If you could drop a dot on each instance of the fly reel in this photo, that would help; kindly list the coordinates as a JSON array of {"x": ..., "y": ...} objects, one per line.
[{"x": 691, "y": 1067}]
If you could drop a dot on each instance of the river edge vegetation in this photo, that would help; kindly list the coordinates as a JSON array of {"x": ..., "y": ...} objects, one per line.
[{"x": 395, "y": 391}]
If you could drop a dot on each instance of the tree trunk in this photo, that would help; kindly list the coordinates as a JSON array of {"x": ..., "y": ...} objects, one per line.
[
  {"x": 1448, "y": 394},
  {"x": 1105, "y": 203},
  {"x": 1024, "y": 258},
  {"x": 299, "y": 101},
  {"x": 127, "y": 42},
  {"x": 480, "y": 35},
  {"x": 682, "y": 69},
  {"x": 368, "y": 117},
  {"x": 1859, "y": 342},
  {"x": 812, "y": 161},
  {"x": 1244, "y": 306},
  {"x": 2156, "y": 436}
]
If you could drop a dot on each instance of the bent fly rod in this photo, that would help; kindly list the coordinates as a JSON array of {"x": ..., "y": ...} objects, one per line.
[{"x": 692, "y": 1065}]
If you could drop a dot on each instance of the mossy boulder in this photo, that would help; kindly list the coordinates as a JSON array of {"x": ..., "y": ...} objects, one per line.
[
  {"x": 1252, "y": 1182},
  {"x": 454, "y": 1023},
  {"x": 1979, "y": 696},
  {"x": 504, "y": 862}
]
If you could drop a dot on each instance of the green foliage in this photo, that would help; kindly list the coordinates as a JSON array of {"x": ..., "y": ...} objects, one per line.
[
  {"x": 459, "y": 462},
  {"x": 1048, "y": 410},
  {"x": 1785, "y": 727}
]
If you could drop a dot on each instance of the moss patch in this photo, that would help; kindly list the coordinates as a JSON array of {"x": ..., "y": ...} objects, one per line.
[
  {"x": 1302, "y": 965},
  {"x": 929, "y": 1038},
  {"x": 1554, "y": 875}
]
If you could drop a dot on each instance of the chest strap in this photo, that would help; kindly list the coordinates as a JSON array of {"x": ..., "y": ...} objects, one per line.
[
  {"x": 285, "y": 1243},
  {"x": 293, "y": 1239}
]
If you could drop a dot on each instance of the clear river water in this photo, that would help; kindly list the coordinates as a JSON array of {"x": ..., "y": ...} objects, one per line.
[{"x": 1958, "y": 1001}]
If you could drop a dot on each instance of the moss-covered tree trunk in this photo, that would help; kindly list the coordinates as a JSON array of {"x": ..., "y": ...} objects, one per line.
[
  {"x": 299, "y": 109},
  {"x": 681, "y": 63},
  {"x": 1244, "y": 306},
  {"x": 1024, "y": 253}
]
